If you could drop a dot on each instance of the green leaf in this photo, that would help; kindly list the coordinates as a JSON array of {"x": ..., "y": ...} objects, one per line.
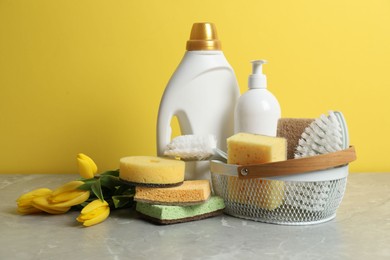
[
  {"x": 97, "y": 190},
  {"x": 111, "y": 173},
  {"x": 121, "y": 201},
  {"x": 110, "y": 182},
  {"x": 130, "y": 191},
  {"x": 125, "y": 189},
  {"x": 87, "y": 184}
]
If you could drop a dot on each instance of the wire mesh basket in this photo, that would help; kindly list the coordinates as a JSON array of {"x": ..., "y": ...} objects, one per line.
[{"x": 293, "y": 192}]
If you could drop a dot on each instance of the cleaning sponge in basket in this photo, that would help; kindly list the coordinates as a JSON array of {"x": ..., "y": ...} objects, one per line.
[{"x": 245, "y": 149}]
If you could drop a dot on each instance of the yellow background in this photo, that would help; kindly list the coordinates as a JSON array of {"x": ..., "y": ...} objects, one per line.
[{"x": 87, "y": 76}]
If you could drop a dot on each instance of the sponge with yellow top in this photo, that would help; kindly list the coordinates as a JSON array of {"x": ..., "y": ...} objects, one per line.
[{"x": 151, "y": 171}]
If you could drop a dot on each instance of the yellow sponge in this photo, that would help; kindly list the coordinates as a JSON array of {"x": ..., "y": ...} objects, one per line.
[
  {"x": 244, "y": 149},
  {"x": 151, "y": 171},
  {"x": 190, "y": 193},
  {"x": 265, "y": 194}
]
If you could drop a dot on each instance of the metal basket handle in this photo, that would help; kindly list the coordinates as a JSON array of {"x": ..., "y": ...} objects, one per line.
[{"x": 298, "y": 166}]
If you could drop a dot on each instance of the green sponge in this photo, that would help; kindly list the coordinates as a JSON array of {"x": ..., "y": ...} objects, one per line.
[{"x": 163, "y": 214}]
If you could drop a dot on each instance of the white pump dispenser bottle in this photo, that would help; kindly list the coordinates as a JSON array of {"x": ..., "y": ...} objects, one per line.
[{"x": 257, "y": 110}]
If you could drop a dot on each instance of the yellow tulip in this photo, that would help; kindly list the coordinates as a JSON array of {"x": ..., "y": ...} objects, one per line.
[
  {"x": 68, "y": 195},
  {"x": 95, "y": 212},
  {"x": 45, "y": 205},
  {"x": 87, "y": 167},
  {"x": 69, "y": 186},
  {"x": 25, "y": 199},
  {"x": 24, "y": 202},
  {"x": 30, "y": 210},
  {"x": 58, "y": 201}
]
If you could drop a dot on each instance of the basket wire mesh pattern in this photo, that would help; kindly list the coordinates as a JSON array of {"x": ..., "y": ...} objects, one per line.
[{"x": 279, "y": 202}]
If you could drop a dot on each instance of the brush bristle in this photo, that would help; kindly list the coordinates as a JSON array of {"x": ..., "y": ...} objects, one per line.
[
  {"x": 323, "y": 135},
  {"x": 192, "y": 147}
]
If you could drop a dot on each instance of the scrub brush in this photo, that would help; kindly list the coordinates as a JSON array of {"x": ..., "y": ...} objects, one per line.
[
  {"x": 194, "y": 148},
  {"x": 324, "y": 135}
]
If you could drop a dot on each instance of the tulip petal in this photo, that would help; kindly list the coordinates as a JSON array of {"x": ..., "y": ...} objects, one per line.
[
  {"x": 98, "y": 219},
  {"x": 93, "y": 206},
  {"x": 43, "y": 204},
  {"x": 84, "y": 195},
  {"x": 29, "y": 210},
  {"x": 36, "y": 192},
  {"x": 91, "y": 214},
  {"x": 53, "y": 212},
  {"x": 25, "y": 199},
  {"x": 73, "y": 185},
  {"x": 91, "y": 163},
  {"x": 85, "y": 169},
  {"x": 66, "y": 196}
]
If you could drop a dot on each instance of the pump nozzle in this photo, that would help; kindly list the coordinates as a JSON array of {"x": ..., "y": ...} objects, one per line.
[
  {"x": 257, "y": 79},
  {"x": 257, "y": 66}
]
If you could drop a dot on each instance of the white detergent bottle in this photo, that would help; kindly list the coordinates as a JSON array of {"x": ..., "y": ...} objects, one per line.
[
  {"x": 202, "y": 94},
  {"x": 257, "y": 110}
]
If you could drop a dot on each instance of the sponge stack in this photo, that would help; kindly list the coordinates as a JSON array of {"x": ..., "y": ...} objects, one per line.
[{"x": 161, "y": 193}]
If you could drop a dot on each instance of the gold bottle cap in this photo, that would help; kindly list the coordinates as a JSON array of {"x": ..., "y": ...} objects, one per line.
[{"x": 203, "y": 37}]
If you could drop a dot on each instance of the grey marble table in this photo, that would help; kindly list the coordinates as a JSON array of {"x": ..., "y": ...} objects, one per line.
[{"x": 361, "y": 230}]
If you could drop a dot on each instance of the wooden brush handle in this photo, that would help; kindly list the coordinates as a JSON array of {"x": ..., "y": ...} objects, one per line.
[{"x": 298, "y": 166}]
